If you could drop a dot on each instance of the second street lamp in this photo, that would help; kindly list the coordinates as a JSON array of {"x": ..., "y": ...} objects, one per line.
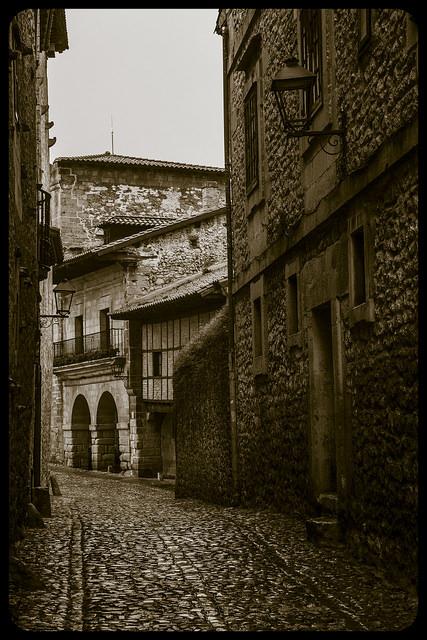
[
  {"x": 294, "y": 77},
  {"x": 63, "y": 293}
]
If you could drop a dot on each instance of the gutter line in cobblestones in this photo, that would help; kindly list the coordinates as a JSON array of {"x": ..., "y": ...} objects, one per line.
[
  {"x": 330, "y": 601},
  {"x": 207, "y": 603},
  {"x": 76, "y": 591}
]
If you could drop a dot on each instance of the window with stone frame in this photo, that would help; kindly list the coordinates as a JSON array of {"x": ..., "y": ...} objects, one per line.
[
  {"x": 293, "y": 303},
  {"x": 311, "y": 55},
  {"x": 251, "y": 138},
  {"x": 258, "y": 326},
  {"x": 360, "y": 268},
  {"x": 293, "y": 312},
  {"x": 357, "y": 267}
]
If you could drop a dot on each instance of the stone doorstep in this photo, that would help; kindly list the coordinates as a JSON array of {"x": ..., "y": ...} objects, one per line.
[{"x": 324, "y": 531}]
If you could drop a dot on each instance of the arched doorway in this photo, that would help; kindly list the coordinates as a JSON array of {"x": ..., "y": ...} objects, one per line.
[
  {"x": 108, "y": 451},
  {"x": 80, "y": 434}
]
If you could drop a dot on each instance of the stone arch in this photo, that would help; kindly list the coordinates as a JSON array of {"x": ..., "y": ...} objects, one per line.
[
  {"x": 106, "y": 449},
  {"x": 80, "y": 450}
]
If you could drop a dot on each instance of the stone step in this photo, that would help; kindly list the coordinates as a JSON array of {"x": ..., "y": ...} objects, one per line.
[
  {"x": 328, "y": 503},
  {"x": 324, "y": 531}
]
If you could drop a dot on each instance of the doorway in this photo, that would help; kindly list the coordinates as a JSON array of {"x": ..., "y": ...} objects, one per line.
[
  {"x": 108, "y": 454},
  {"x": 323, "y": 445},
  {"x": 81, "y": 456}
]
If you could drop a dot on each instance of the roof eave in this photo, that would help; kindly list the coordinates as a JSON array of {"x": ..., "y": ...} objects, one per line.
[{"x": 176, "y": 307}]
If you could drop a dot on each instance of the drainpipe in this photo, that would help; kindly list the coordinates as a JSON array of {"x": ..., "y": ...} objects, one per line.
[{"x": 223, "y": 31}]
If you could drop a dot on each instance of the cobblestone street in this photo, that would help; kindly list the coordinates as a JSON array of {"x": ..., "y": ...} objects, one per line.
[{"x": 124, "y": 554}]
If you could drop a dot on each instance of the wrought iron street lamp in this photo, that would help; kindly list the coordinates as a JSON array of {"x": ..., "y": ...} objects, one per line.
[
  {"x": 117, "y": 369},
  {"x": 63, "y": 293},
  {"x": 294, "y": 77}
]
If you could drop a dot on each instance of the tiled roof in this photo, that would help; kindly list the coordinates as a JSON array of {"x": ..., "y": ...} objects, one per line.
[
  {"x": 178, "y": 290},
  {"x": 149, "y": 221},
  {"x": 108, "y": 158},
  {"x": 105, "y": 248}
]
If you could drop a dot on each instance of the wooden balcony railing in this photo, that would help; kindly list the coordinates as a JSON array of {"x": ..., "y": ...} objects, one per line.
[{"x": 92, "y": 346}]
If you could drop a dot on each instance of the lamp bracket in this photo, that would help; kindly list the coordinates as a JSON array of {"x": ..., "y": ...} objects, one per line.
[
  {"x": 48, "y": 320},
  {"x": 332, "y": 136}
]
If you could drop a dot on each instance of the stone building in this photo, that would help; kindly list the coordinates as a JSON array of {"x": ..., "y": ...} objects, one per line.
[
  {"x": 130, "y": 227},
  {"x": 34, "y": 36},
  {"x": 325, "y": 264},
  {"x": 161, "y": 324}
]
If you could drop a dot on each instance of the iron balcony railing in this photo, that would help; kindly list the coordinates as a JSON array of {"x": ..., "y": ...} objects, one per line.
[{"x": 92, "y": 346}]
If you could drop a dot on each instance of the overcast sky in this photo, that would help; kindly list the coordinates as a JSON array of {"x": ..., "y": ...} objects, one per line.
[{"x": 156, "y": 72}]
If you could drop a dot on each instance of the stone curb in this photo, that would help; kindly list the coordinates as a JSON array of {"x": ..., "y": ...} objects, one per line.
[{"x": 161, "y": 484}]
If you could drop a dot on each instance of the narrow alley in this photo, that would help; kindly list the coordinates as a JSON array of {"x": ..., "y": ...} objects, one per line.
[{"x": 122, "y": 554}]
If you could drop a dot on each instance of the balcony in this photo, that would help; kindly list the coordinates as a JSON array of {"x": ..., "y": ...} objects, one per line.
[
  {"x": 49, "y": 246},
  {"x": 93, "y": 346}
]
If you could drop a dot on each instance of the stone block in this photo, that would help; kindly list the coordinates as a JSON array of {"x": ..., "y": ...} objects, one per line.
[
  {"x": 41, "y": 500},
  {"x": 23, "y": 576},
  {"x": 34, "y": 517},
  {"x": 324, "y": 531}
]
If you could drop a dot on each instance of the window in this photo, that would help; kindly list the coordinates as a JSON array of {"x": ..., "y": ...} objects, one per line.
[
  {"x": 358, "y": 285},
  {"x": 104, "y": 328},
  {"x": 258, "y": 326},
  {"x": 43, "y": 245},
  {"x": 360, "y": 269},
  {"x": 293, "y": 318},
  {"x": 251, "y": 139},
  {"x": 257, "y": 319},
  {"x": 311, "y": 55},
  {"x": 157, "y": 363},
  {"x": 78, "y": 333}
]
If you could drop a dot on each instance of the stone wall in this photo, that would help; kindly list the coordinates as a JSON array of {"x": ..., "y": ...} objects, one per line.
[
  {"x": 382, "y": 382},
  {"x": 202, "y": 415},
  {"x": 172, "y": 255},
  {"x": 377, "y": 93},
  {"x": 310, "y": 206},
  {"x": 47, "y": 305},
  {"x": 56, "y": 444},
  {"x": 272, "y": 411},
  {"x": 96, "y": 290},
  {"x": 85, "y": 193},
  {"x": 23, "y": 267}
]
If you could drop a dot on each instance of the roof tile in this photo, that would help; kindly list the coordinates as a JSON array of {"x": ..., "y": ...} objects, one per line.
[
  {"x": 136, "y": 220},
  {"x": 177, "y": 290},
  {"x": 108, "y": 158}
]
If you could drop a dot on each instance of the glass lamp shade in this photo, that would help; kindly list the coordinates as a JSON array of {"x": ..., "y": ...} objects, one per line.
[
  {"x": 63, "y": 293},
  {"x": 118, "y": 367},
  {"x": 292, "y": 77}
]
